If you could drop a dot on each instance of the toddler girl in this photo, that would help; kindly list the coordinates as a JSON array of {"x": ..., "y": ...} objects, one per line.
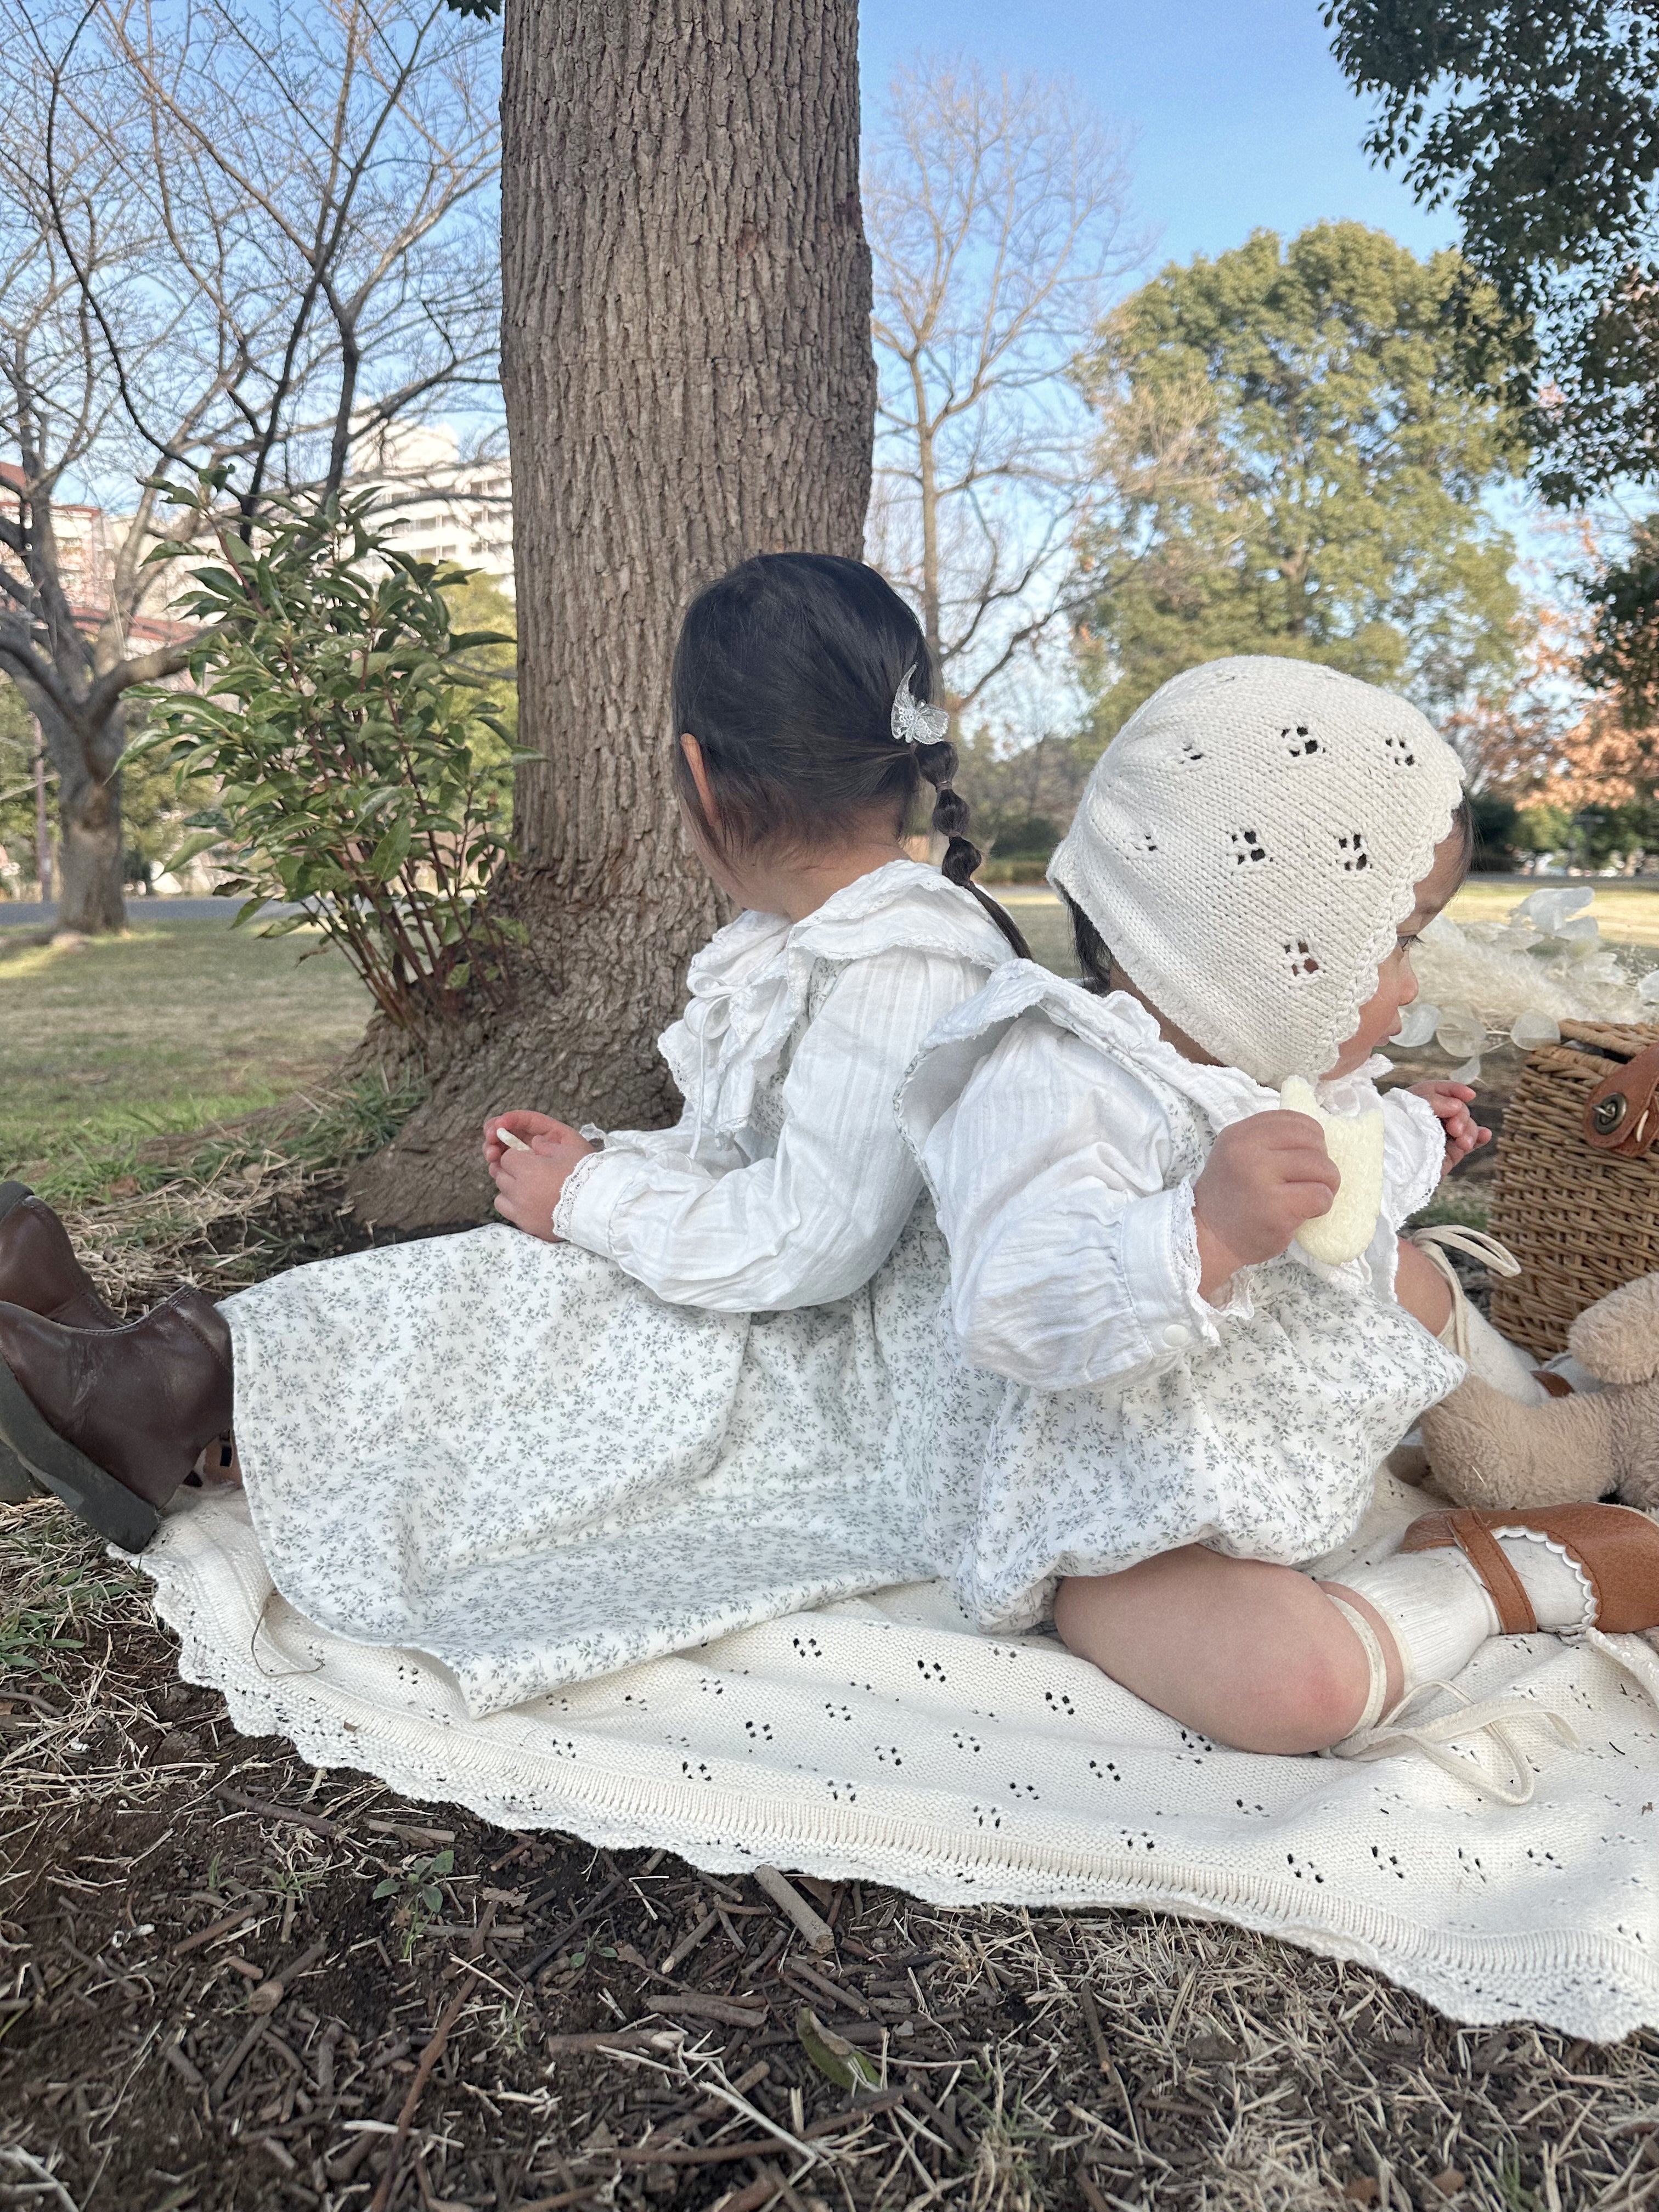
[
  {"x": 1198, "y": 1407},
  {"x": 537, "y": 1460}
]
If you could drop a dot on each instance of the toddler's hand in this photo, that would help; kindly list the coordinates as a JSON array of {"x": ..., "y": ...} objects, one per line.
[
  {"x": 529, "y": 1184},
  {"x": 1462, "y": 1133},
  {"x": 524, "y": 1126},
  {"x": 1264, "y": 1178}
]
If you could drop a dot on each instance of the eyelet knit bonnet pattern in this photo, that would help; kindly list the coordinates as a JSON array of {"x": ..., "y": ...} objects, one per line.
[{"x": 1248, "y": 844}]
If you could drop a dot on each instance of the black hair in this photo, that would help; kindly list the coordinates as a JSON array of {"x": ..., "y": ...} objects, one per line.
[
  {"x": 1094, "y": 955},
  {"x": 785, "y": 673},
  {"x": 1463, "y": 824}
]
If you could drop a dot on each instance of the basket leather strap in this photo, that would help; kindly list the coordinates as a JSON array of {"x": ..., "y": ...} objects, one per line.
[
  {"x": 1621, "y": 1115},
  {"x": 1485, "y": 1554}
]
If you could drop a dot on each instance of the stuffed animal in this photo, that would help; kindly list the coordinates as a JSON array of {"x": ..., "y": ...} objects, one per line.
[{"x": 1486, "y": 1450}]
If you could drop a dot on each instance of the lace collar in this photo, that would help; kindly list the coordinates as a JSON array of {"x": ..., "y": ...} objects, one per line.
[{"x": 749, "y": 984}]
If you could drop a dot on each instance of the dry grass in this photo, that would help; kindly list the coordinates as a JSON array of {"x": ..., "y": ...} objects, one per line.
[
  {"x": 1628, "y": 913},
  {"x": 227, "y": 1207},
  {"x": 521, "y": 2044},
  {"x": 156, "y": 1871}
]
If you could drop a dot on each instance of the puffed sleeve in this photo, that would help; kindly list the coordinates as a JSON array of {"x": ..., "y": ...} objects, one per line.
[
  {"x": 1413, "y": 1154},
  {"x": 1071, "y": 1261},
  {"x": 815, "y": 1220}
]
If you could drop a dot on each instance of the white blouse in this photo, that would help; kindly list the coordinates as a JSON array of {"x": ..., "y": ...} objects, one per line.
[
  {"x": 1053, "y": 1165},
  {"x": 787, "y": 1182}
]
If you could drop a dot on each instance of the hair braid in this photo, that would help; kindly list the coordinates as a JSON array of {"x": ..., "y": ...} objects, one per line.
[{"x": 937, "y": 765}]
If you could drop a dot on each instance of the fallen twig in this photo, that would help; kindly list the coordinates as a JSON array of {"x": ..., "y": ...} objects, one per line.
[
  {"x": 788, "y": 1899},
  {"x": 434, "y": 2051},
  {"x": 296, "y": 1818}
]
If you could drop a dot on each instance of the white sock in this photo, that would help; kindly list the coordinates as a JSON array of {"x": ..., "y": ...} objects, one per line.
[
  {"x": 1439, "y": 1612},
  {"x": 1434, "y": 1606},
  {"x": 1495, "y": 1359}
]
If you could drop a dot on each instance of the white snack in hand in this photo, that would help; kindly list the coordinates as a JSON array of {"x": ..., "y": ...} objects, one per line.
[
  {"x": 505, "y": 1136},
  {"x": 1354, "y": 1142}
]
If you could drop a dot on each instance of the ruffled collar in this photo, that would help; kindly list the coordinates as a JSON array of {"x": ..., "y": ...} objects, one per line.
[
  {"x": 1228, "y": 1094},
  {"x": 1119, "y": 1023},
  {"x": 749, "y": 984}
]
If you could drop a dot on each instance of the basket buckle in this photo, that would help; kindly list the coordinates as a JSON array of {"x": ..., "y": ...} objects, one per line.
[{"x": 1607, "y": 1113}]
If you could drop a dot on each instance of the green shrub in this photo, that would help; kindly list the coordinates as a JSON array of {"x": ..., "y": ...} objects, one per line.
[{"x": 358, "y": 767}]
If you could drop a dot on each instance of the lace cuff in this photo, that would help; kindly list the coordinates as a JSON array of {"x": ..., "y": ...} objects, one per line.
[
  {"x": 587, "y": 1226},
  {"x": 1238, "y": 1305}
]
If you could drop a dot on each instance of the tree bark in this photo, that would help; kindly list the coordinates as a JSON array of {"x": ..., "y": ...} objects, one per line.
[
  {"x": 90, "y": 846},
  {"x": 89, "y": 853},
  {"x": 689, "y": 380}
]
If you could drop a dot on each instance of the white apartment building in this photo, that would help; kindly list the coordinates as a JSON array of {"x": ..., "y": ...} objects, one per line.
[{"x": 439, "y": 507}]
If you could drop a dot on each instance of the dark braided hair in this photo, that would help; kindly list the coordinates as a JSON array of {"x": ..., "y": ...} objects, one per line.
[{"x": 785, "y": 673}]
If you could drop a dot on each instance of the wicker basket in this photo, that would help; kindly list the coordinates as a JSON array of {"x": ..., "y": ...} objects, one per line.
[{"x": 1577, "y": 1197}]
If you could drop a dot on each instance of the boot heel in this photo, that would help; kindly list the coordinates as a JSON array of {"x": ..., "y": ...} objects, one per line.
[
  {"x": 108, "y": 1505},
  {"x": 17, "y": 1485}
]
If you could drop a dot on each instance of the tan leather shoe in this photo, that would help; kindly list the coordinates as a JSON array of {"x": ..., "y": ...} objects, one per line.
[
  {"x": 113, "y": 1420},
  {"x": 1616, "y": 1547}
]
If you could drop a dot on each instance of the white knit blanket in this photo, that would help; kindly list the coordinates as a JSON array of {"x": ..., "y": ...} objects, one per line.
[{"x": 883, "y": 1739}]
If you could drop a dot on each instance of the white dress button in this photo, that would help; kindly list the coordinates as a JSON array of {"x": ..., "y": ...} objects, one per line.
[{"x": 1177, "y": 1336}]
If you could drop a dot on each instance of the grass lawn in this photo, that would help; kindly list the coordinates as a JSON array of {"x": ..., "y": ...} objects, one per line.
[
  {"x": 172, "y": 1027},
  {"x": 1628, "y": 914}
]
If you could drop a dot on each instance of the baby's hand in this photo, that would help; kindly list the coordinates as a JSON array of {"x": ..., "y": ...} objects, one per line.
[
  {"x": 1264, "y": 1178},
  {"x": 1462, "y": 1133},
  {"x": 529, "y": 1183}
]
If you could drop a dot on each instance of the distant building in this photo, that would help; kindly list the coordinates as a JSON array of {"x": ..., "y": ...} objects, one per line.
[
  {"x": 439, "y": 507},
  {"x": 89, "y": 541}
]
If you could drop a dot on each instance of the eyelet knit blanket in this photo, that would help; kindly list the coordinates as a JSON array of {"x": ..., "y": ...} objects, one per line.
[{"x": 883, "y": 1739}]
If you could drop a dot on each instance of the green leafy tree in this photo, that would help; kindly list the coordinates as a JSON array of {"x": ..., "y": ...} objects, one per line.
[
  {"x": 1290, "y": 463},
  {"x": 1539, "y": 124},
  {"x": 1538, "y": 121},
  {"x": 480, "y": 608}
]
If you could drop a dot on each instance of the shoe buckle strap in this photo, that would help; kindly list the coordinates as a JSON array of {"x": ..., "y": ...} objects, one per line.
[{"x": 1486, "y": 1555}]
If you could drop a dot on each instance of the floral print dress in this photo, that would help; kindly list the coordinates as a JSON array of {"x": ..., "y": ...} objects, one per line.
[
  {"x": 711, "y": 1405},
  {"x": 1061, "y": 1136}
]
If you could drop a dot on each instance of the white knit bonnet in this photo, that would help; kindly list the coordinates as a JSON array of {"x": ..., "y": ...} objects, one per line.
[{"x": 1248, "y": 844}]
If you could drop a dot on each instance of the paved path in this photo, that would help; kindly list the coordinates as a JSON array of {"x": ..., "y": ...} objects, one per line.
[{"x": 30, "y": 913}]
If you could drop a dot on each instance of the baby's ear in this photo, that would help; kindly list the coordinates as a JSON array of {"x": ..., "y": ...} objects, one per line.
[{"x": 1618, "y": 1337}]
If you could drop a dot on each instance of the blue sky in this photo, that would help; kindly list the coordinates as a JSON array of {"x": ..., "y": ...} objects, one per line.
[{"x": 1242, "y": 118}]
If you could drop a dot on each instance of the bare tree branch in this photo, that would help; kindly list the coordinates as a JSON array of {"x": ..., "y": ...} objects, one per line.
[
  {"x": 998, "y": 219},
  {"x": 230, "y": 237}
]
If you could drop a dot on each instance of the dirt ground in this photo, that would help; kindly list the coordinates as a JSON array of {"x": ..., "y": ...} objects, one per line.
[{"x": 230, "y": 1983}]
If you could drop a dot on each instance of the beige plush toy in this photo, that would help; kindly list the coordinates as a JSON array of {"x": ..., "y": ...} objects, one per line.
[{"x": 1486, "y": 1450}]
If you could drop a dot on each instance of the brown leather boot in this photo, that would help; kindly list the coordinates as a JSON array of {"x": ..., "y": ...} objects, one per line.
[
  {"x": 38, "y": 1266},
  {"x": 39, "y": 1269},
  {"x": 113, "y": 1420}
]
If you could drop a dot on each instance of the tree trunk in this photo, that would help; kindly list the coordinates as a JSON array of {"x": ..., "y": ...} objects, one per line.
[
  {"x": 89, "y": 891},
  {"x": 89, "y": 900},
  {"x": 688, "y": 379}
]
